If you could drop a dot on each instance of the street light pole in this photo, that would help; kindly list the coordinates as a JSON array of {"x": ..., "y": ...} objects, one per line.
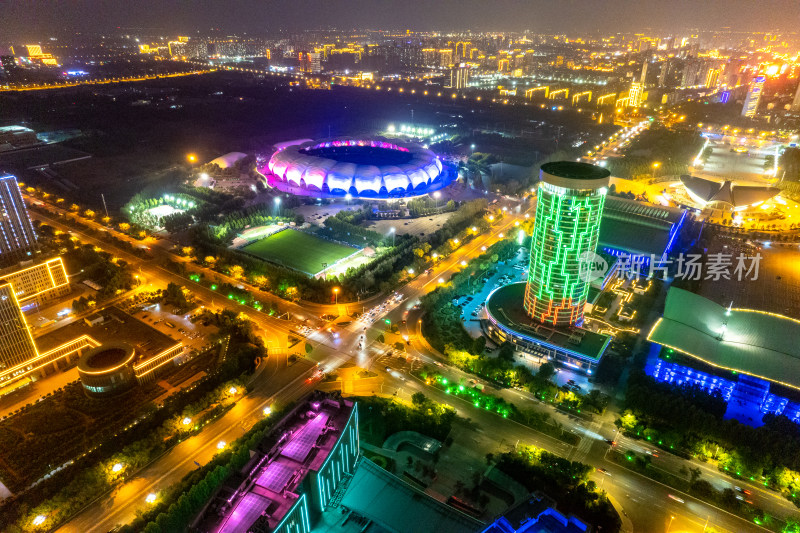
[{"x": 393, "y": 231}]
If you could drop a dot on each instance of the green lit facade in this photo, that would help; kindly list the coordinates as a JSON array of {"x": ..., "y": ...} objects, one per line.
[{"x": 569, "y": 206}]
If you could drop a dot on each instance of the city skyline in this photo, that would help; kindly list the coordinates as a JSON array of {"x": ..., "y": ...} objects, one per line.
[
  {"x": 424, "y": 267},
  {"x": 39, "y": 18}
]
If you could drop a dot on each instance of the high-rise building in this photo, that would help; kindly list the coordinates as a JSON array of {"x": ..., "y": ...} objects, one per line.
[
  {"x": 712, "y": 77},
  {"x": 635, "y": 94},
  {"x": 17, "y": 237},
  {"x": 16, "y": 341},
  {"x": 569, "y": 206},
  {"x": 753, "y": 97},
  {"x": 796, "y": 101},
  {"x": 459, "y": 76}
]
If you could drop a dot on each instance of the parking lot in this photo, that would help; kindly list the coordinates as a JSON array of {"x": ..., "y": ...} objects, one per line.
[
  {"x": 512, "y": 271},
  {"x": 180, "y": 327}
]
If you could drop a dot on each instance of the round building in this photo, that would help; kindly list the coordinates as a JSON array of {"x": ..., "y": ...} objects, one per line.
[
  {"x": 107, "y": 369},
  {"x": 569, "y": 207},
  {"x": 361, "y": 168}
]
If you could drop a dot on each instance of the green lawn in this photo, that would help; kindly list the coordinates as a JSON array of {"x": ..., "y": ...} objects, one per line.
[{"x": 297, "y": 250}]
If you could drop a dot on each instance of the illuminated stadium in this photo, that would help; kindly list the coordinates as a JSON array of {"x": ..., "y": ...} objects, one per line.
[{"x": 362, "y": 168}]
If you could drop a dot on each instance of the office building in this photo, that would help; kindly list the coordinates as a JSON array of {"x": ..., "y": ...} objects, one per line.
[
  {"x": 16, "y": 341},
  {"x": 542, "y": 317},
  {"x": 295, "y": 472},
  {"x": 635, "y": 94},
  {"x": 310, "y": 62},
  {"x": 39, "y": 283},
  {"x": 17, "y": 238},
  {"x": 569, "y": 207},
  {"x": 753, "y": 97}
]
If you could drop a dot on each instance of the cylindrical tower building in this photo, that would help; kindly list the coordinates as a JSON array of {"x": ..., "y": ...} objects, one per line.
[{"x": 569, "y": 206}]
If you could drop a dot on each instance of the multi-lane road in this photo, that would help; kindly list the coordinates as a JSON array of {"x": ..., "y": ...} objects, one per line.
[{"x": 645, "y": 504}]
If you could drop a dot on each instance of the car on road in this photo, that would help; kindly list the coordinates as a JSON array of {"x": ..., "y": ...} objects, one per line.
[{"x": 677, "y": 499}]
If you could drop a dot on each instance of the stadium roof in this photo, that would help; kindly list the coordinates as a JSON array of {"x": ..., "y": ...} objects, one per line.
[
  {"x": 747, "y": 341},
  {"x": 705, "y": 191},
  {"x": 396, "y": 506}
]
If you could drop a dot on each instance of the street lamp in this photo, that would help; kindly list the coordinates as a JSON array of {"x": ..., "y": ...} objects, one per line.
[
  {"x": 671, "y": 518},
  {"x": 39, "y": 520},
  {"x": 186, "y": 421},
  {"x": 221, "y": 445},
  {"x": 655, "y": 166},
  {"x": 151, "y": 498},
  {"x": 437, "y": 195},
  {"x": 336, "y": 294},
  {"x": 267, "y": 411},
  {"x": 191, "y": 158},
  {"x": 392, "y": 230},
  {"x": 117, "y": 467}
]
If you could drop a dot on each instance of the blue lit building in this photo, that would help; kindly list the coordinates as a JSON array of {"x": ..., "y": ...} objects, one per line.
[
  {"x": 17, "y": 237},
  {"x": 299, "y": 468},
  {"x": 751, "y": 358},
  {"x": 537, "y": 515}
]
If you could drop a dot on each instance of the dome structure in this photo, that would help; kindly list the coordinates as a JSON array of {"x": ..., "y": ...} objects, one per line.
[
  {"x": 362, "y": 168},
  {"x": 227, "y": 160}
]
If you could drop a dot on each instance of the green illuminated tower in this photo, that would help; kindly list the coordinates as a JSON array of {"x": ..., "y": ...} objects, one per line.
[{"x": 569, "y": 206}]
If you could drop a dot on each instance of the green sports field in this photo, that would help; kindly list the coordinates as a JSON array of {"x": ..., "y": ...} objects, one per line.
[{"x": 299, "y": 251}]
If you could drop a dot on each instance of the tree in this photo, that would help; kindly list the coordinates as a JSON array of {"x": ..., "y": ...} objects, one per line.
[
  {"x": 89, "y": 213},
  {"x": 124, "y": 226},
  {"x": 546, "y": 371},
  {"x": 419, "y": 399},
  {"x": 210, "y": 260},
  {"x": 187, "y": 250},
  {"x": 506, "y": 352},
  {"x": 236, "y": 271},
  {"x": 480, "y": 345}
]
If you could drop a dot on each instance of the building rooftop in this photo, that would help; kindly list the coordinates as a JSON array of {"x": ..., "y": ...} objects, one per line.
[
  {"x": 505, "y": 305},
  {"x": 395, "y": 505},
  {"x": 118, "y": 328},
  {"x": 299, "y": 444},
  {"x": 575, "y": 170},
  {"x": 637, "y": 227},
  {"x": 746, "y": 341}
]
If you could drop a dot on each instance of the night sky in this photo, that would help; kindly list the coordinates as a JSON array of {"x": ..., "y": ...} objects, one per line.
[{"x": 42, "y": 18}]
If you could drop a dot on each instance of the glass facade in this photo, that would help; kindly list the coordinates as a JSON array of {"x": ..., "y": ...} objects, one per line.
[{"x": 567, "y": 226}]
